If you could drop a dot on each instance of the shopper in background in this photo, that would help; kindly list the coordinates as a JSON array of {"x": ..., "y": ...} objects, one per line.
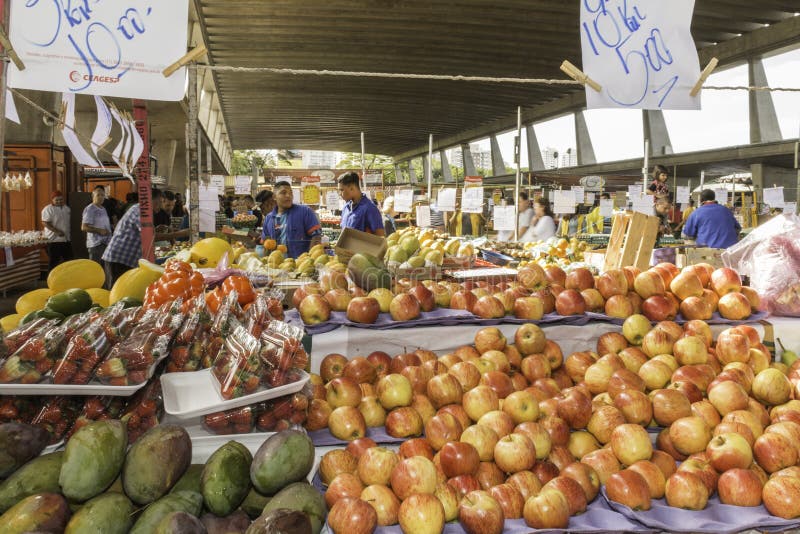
[
  {"x": 712, "y": 225},
  {"x": 163, "y": 216},
  {"x": 463, "y": 224},
  {"x": 389, "y": 226},
  {"x": 543, "y": 226},
  {"x": 658, "y": 186},
  {"x": 95, "y": 222},
  {"x": 178, "y": 210},
  {"x": 662, "y": 208},
  {"x": 359, "y": 212},
  {"x": 130, "y": 199},
  {"x": 688, "y": 211},
  {"x": 290, "y": 224},
  {"x": 125, "y": 247},
  {"x": 595, "y": 223},
  {"x": 112, "y": 207},
  {"x": 55, "y": 217}
]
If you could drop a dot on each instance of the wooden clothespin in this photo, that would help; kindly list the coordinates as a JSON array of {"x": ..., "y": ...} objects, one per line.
[
  {"x": 704, "y": 76},
  {"x": 6, "y": 42},
  {"x": 579, "y": 76},
  {"x": 192, "y": 55}
]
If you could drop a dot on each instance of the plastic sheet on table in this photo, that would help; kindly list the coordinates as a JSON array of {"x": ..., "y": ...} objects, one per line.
[
  {"x": 324, "y": 438},
  {"x": 716, "y": 319},
  {"x": 716, "y": 518}
]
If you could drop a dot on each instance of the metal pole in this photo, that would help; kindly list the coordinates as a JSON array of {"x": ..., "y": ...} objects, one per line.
[
  {"x": 796, "y": 165},
  {"x": 193, "y": 170},
  {"x": 3, "y": 85},
  {"x": 363, "y": 162},
  {"x": 519, "y": 172},
  {"x": 646, "y": 164},
  {"x": 702, "y": 179},
  {"x": 430, "y": 167}
]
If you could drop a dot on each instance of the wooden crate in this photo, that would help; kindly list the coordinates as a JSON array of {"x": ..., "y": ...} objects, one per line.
[{"x": 633, "y": 236}]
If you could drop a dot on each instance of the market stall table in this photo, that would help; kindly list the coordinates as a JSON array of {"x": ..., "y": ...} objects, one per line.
[{"x": 19, "y": 266}]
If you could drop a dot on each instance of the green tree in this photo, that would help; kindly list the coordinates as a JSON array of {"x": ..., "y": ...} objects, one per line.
[
  {"x": 352, "y": 160},
  {"x": 243, "y": 160}
]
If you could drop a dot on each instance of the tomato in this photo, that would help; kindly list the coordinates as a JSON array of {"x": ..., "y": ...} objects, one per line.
[
  {"x": 177, "y": 288},
  {"x": 213, "y": 300},
  {"x": 197, "y": 283},
  {"x": 178, "y": 266},
  {"x": 242, "y": 286}
]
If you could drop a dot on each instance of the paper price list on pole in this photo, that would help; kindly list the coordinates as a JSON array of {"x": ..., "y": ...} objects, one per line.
[
  {"x": 564, "y": 201},
  {"x": 472, "y": 200},
  {"x": 403, "y": 199},
  {"x": 446, "y": 200},
  {"x": 504, "y": 218},
  {"x": 423, "y": 216}
]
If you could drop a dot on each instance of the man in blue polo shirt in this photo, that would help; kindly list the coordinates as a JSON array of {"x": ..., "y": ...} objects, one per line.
[
  {"x": 360, "y": 212},
  {"x": 712, "y": 225},
  {"x": 290, "y": 224}
]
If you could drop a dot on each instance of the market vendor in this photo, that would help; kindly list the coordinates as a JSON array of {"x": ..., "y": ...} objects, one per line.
[
  {"x": 712, "y": 225},
  {"x": 462, "y": 224},
  {"x": 125, "y": 247},
  {"x": 658, "y": 187},
  {"x": 290, "y": 224},
  {"x": 595, "y": 222},
  {"x": 55, "y": 217},
  {"x": 359, "y": 211},
  {"x": 95, "y": 222}
]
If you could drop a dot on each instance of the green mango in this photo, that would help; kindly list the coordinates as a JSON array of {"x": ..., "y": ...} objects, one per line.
[
  {"x": 43, "y": 512},
  {"x": 43, "y": 314},
  {"x": 281, "y": 520},
  {"x": 92, "y": 459},
  {"x": 180, "y": 501},
  {"x": 155, "y": 462},
  {"x": 40, "y": 475},
  {"x": 109, "y": 513},
  {"x": 254, "y": 503},
  {"x": 18, "y": 444},
  {"x": 303, "y": 497},
  {"x": 226, "y": 478},
  {"x": 190, "y": 480},
  {"x": 283, "y": 458},
  {"x": 180, "y": 523},
  {"x": 69, "y": 302}
]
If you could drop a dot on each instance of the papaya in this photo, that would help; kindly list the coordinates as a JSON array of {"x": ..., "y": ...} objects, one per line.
[
  {"x": 44, "y": 314},
  {"x": 18, "y": 444},
  {"x": 33, "y": 300},
  {"x": 235, "y": 523},
  {"x": 283, "y": 458},
  {"x": 207, "y": 252},
  {"x": 281, "y": 520},
  {"x": 92, "y": 459},
  {"x": 83, "y": 274},
  {"x": 40, "y": 475},
  {"x": 368, "y": 272},
  {"x": 156, "y": 462},
  {"x": 302, "y": 497},
  {"x": 190, "y": 480},
  {"x": 180, "y": 501},
  {"x": 69, "y": 302},
  {"x": 180, "y": 523},
  {"x": 254, "y": 503},
  {"x": 43, "y": 512},
  {"x": 226, "y": 481},
  {"x": 10, "y": 322},
  {"x": 109, "y": 513},
  {"x": 99, "y": 296},
  {"x": 130, "y": 302},
  {"x": 134, "y": 282}
]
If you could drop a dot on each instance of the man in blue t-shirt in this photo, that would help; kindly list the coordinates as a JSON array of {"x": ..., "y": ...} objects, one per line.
[
  {"x": 712, "y": 225},
  {"x": 360, "y": 212},
  {"x": 290, "y": 224}
]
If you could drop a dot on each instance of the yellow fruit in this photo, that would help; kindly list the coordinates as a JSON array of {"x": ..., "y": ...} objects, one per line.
[
  {"x": 207, "y": 252},
  {"x": 10, "y": 322},
  {"x": 33, "y": 301},
  {"x": 133, "y": 284},
  {"x": 322, "y": 259},
  {"x": 276, "y": 255},
  {"x": 81, "y": 274},
  {"x": 99, "y": 296}
]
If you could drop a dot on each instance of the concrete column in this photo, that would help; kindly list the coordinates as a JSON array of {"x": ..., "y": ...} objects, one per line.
[
  {"x": 398, "y": 174},
  {"x": 469, "y": 163},
  {"x": 535, "y": 161},
  {"x": 447, "y": 175},
  {"x": 584, "y": 141},
  {"x": 764, "y": 127},
  {"x": 498, "y": 165},
  {"x": 412, "y": 175},
  {"x": 655, "y": 129}
]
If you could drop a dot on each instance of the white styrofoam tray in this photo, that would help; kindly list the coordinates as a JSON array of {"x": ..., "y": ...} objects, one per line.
[
  {"x": 197, "y": 393},
  {"x": 92, "y": 388}
]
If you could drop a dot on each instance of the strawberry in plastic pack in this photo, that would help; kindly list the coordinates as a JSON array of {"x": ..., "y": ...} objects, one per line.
[
  {"x": 236, "y": 421},
  {"x": 279, "y": 414},
  {"x": 58, "y": 415},
  {"x": 35, "y": 358},
  {"x": 282, "y": 351},
  {"x": 98, "y": 408},
  {"x": 187, "y": 348},
  {"x": 237, "y": 367},
  {"x": 18, "y": 409},
  {"x": 16, "y": 338},
  {"x": 84, "y": 352},
  {"x": 143, "y": 410}
]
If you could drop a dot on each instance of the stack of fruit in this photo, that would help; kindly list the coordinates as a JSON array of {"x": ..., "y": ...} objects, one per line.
[
  {"x": 415, "y": 248},
  {"x": 554, "y": 251},
  {"x": 510, "y": 431},
  {"x": 243, "y": 220}
]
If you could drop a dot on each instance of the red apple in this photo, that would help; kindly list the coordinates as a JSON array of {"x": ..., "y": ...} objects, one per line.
[
  {"x": 401, "y": 361},
  {"x": 499, "y": 421},
  {"x": 571, "y": 490},
  {"x": 604, "y": 463},
  {"x": 630, "y": 488},
  {"x": 515, "y": 452},
  {"x": 771, "y": 387},
  {"x": 612, "y": 282},
  {"x": 489, "y": 307},
  {"x": 522, "y": 406},
  {"x": 347, "y": 423},
  {"x": 648, "y": 284},
  {"x": 467, "y": 375},
  {"x": 535, "y": 366},
  {"x": 547, "y": 510},
  {"x": 459, "y": 458},
  {"x": 570, "y": 302},
  {"x": 363, "y": 310},
  {"x": 489, "y": 338},
  {"x": 483, "y": 439},
  {"x": 442, "y": 428},
  {"x": 510, "y": 500},
  {"x": 690, "y": 434},
  {"x": 415, "y": 447},
  {"x": 424, "y": 296},
  {"x": 594, "y": 300},
  {"x": 658, "y": 308},
  {"x": 480, "y": 400},
  {"x": 444, "y": 389},
  {"x": 532, "y": 277},
  {"x": 631, "y": 443},
  {"x": 725, "y": 280},
  {"x": 530, "y": 339},
  {"x": 343, "y": 391},
  {"x": 703, "y": 470},
  {"x": 314, "y": 309},
  {"x": 774, "y": 451},
  {"x": 332, "y": 366},
  {"x": 603, "y": 421},
  {"x": 686, "y": 490},
  {"x": 403, "y": 422},
  {"x": 353, "y": 516},
  {"x": 480, "y": 513},
  {"x": 336, "y": 462},
  {"x": 669, "y": 405},
  {"x": 635, "y": 327},
  {"x": 394, "y": 391},
  {"x": 635, "y": 406},
  {"x": 539, "y": 435},
  {"x": 653, "y": 475},
  {"x": 457, "y": 411},
  {"x": 574, "y": 407},
  {"x": 375, "y": 466},
  {"x": 339, "y": 299},
  {"x": 555, "y": 275},
  {"x": 547, "y": 298},
  {"x": 734, "y": 306},
  {"x": 489, "y": 475},
  {"x": 729, "y": 451},
  {"x": 463, "y": 300},
  {"x": 422, "y": 513},
  {"x": 727, "y": 396},
  {"x": 531, "y": 308},
  {"x": 579, "y": 279}
]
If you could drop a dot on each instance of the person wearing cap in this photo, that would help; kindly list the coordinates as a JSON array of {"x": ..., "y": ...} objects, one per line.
[
  {"x": 360, "y": 213},
  {"x": 712, "y": 225},
  {"x": 96, "y": 224},
  {"x": 55, "y": 217},
  {"x": 290, "y": 224}
]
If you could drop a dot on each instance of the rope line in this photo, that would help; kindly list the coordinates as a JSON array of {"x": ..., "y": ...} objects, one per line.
[{"x": 449, "y": 77}]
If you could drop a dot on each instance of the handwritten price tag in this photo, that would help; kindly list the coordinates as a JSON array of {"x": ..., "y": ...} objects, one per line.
[
  {"x": 100, "y": 47},
  {"x": 641, "y": 52}
]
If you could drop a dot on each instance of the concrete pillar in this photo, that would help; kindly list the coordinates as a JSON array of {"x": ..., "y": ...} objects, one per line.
[
  {"x": 764, "y": 127},
  {"x": 469, "y": 163},
  {"x": 535, "y": 161},
  {"x": 498, "y": 165},
  {"x": 655, "y": 129},
  {"x": 398, "y": 174},
  {"x": 584, "y": 141},
  {"x": 447, "y": 175},
  {"x": 412, "y": 174}
]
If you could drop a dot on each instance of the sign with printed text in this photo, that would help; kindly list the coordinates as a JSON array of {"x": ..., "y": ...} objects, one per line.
[
  {"x": 403, "y": 199},
  {"x": 641, "y": 52},
  {"x": 472, "y": 199},
  {"x": 102, "y": 48},
  {"x": 505, "y": 218},
  {"x": 311, "y": 190},
  {"x": 373, "y": 177},
  {"x": 446, "y": 200},
  {"x": 242, "y": 185},
  {"x": 563, "y": 201},
  {"x": 333, "y": 200}
]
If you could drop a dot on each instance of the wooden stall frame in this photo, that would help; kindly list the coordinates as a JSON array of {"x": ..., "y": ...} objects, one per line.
[{"x": 633, "y": 237}]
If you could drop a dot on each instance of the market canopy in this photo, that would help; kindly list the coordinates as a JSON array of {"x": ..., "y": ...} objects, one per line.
[{"x": 502, "y": 38}]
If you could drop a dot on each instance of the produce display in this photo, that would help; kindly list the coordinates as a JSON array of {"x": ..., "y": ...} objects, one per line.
[
  {"x": 100, "y": 484},
  {"x": 413, "y": 248}
]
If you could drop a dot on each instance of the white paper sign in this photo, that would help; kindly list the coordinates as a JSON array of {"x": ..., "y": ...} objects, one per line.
[
  {"x": 504, "y": 218},
  {"x": 563, "y": 201},
  {"x": 11, "y": 107},
  {"x": 635, "y": 190},
  {"x": 579, "y": 194},
  {"x": 297, "y": 196},
  {"x": 403, "y": 199},
  {"x": 208, "y": 221},
  {"x": 790, "y": 207},
  {"x": 606, "y": 207},
  {"x": 423, "y": 216},
  {"x": 217, "y": 181},
  {"x": 70, "y": 137},
  {"x": 472, "y": 200},
  {"x": 643, "y": 204},
  {"x": 373, "y": 178},
  {"x": 446, "y": 200},
  {"x": 682, "y": 194},
  {"x": 102, "y": 48},
  {"x": 242, "y": 185},
  {"x": 589, "y": 201},
  {"x": 641, "y": 53},
  {"x": 773, "y": 196},
  {"x": 332, "y": 200}
]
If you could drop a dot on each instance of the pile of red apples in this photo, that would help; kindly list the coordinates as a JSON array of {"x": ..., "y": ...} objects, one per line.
[
  {"x": 660, "y": 293},
  {"x": 499, "y": 430}
]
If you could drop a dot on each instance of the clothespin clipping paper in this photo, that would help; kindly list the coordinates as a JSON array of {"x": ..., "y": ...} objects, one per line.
[
  {"x": 190, "y": 56},
  {"x": 579, "y": 76},
  {"x": 704, "y": 76}
]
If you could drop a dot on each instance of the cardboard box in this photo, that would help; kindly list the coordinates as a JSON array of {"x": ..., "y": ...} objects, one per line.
[
  {"x": 712, "y": 256},
  {"x": 356, "y": 242}
]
